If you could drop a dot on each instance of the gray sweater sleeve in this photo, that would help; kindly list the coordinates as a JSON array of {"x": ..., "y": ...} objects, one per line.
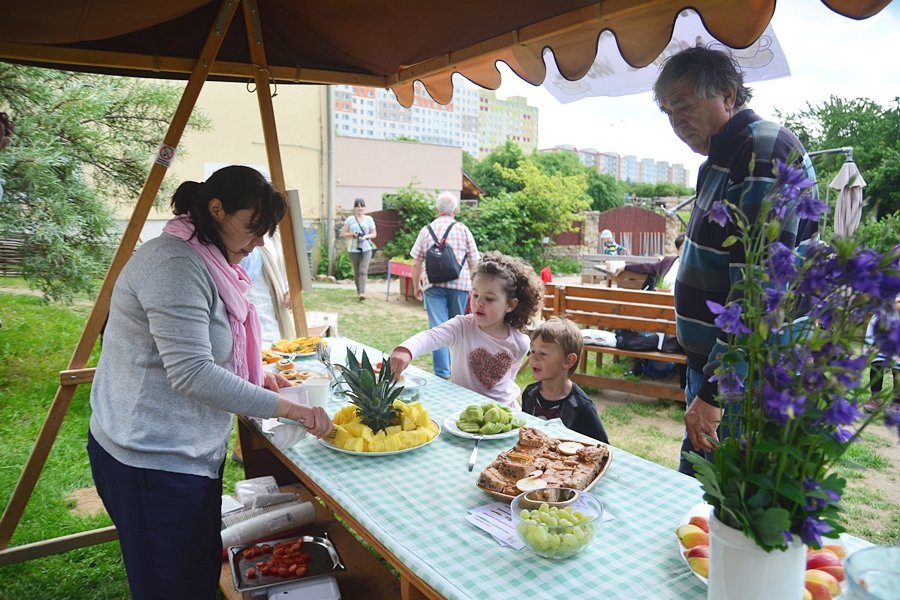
[{"x": 178, "y": 311}]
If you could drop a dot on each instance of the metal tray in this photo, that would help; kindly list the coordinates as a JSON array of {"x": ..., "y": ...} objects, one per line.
[{"x": 324, "y": 560}]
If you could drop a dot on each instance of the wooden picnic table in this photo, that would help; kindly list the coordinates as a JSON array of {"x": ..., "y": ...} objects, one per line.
[{"x": 411, "y": 508}]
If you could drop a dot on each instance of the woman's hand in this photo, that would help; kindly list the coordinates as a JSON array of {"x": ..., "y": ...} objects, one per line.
[
  {"x": 315, "y": 420},
  {"x": 275, "y": 381},
  {"x": 400, "y": 359}
]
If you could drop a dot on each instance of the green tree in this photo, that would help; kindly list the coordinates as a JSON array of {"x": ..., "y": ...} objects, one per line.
[
  {"x": 416, "y": 210},
  {"x": 492, "y": 173},
  {"x": 604, "y": 192},
  {"x": 871, "y": 130},
  {"x": 564, "y": 162},
  {"x": 468, "y": 163},
  {"x": 517, "y": 222},
  {"x": 82, "y": 144}
]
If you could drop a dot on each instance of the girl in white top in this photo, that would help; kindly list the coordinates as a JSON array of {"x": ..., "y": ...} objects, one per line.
[
  {"x": 486, "y": 346},
  {"x": 360, "y": 228}
]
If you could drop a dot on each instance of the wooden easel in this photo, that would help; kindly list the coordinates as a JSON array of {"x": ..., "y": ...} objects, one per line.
[{"x": 77, "y": 373}]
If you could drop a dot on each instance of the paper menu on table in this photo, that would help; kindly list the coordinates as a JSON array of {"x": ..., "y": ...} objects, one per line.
[{"x": 496, "y": 519}]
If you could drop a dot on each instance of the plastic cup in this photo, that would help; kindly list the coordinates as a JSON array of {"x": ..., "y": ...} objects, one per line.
[
  {"x": 295, "y": 393},
  {"x": 318, "y": 389},
  {"x": 873, "y": 573}
]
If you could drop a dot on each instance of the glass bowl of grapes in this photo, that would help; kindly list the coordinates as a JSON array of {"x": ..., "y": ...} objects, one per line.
[{"x": 556, "y": 523}]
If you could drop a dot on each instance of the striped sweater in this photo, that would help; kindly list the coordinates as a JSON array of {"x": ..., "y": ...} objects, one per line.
[{"x": 708, "y": 270}]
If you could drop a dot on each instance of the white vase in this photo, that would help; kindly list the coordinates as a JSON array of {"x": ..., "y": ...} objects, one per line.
[{"x": 741, "y": 570}]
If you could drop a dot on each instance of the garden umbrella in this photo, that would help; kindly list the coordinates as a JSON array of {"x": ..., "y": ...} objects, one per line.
[{"x": 848, "y": 207}]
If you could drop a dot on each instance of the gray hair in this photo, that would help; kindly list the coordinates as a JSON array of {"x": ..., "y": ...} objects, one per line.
[
  {"x": 712, "y": 72},
  {"x": 446, "y": 203}
]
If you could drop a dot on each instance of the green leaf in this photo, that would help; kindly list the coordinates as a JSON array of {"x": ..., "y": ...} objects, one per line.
[
  {"x": 731, "y": 240},
  {"x": 769, "y": 526}
]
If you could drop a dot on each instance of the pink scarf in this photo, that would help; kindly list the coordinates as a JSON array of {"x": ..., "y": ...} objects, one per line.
[{"x": 233, "y": 283}]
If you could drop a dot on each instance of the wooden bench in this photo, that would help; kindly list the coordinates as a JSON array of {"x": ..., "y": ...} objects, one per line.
[{"x": 610, "y": 309}]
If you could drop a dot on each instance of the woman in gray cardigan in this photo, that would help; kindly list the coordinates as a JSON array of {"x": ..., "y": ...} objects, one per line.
[{"x": 180, "y": 356}]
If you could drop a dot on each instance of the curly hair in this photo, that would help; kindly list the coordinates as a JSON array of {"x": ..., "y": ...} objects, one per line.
[{"x": 519, "y": 281}]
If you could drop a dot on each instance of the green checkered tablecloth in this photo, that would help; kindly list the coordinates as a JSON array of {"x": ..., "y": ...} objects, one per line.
[{"x": 416, "y": 504}]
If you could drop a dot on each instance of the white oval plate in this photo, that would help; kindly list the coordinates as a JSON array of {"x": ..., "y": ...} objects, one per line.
[
  {"x": 702, "y": 510},
  {"x": 331, "y": 446},
  {"x": 452, "y": 428}
]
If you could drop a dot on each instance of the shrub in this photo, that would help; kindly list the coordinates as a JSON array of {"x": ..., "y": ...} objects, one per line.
[{"x": 416, "y": 210}]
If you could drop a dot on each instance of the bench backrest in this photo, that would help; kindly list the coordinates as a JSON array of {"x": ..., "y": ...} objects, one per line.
[{"x": 611, "y": 308}]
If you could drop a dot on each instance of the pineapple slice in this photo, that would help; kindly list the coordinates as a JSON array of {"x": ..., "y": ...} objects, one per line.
[
  {"x": 407, "y": 423},
  {"x": 354, "y": 428},
  {"x": 366, "y": 433},
  {"x": 356, "y": 444},
  {"x": 347, "y": 414},
  {"x": 393, "y": 429},
  {"x": 341, "y": 437},
  {"x": 394, "y": 441}
]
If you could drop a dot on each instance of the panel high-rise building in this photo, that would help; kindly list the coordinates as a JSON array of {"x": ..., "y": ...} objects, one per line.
[{"x": 475, "y": 120}]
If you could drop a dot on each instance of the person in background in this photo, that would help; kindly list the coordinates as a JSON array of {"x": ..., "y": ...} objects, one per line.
[
  {"x": 489, "y": 344},
  {"x": 879, "y": 365},
  {"x": 444, "y": 301},
  {"x": 556, "y": 346},
  {"x": 702, "y": 93},
  {"x": 360, "y": 228},
  {"x": 660, "y": 274},
  {"x": 608, "y": 244},
  {"x": 269, "y": 292},
  {"x": 180, "y": 355}
]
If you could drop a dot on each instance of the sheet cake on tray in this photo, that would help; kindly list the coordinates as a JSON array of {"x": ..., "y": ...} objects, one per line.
[{"x": 535, "y": 450}]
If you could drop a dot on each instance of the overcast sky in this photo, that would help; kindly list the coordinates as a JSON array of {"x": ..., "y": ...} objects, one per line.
[{"x": 828, "y": 55}]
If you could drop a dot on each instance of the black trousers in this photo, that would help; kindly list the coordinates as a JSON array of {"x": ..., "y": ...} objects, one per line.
[{"x": 168, "y": 524}]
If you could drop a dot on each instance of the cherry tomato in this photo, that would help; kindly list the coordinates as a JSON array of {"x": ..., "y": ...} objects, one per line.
[{"x": 251, "y": 573}]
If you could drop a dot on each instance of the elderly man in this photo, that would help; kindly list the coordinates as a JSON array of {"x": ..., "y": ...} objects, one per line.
[
  {"x": 443, "y": 301},
  {"x": 702, "y": 92}
]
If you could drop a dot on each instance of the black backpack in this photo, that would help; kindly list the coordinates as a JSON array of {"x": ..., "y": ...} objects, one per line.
[{"x": 440, "y": 262}]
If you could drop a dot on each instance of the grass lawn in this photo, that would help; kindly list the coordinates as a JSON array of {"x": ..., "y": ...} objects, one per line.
[{"x": 36, "y": 341}]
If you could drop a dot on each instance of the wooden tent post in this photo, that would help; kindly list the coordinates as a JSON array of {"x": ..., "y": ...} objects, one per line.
[
  {"x": 60, "y": 406},
  {"x": 273, "y": 154}
]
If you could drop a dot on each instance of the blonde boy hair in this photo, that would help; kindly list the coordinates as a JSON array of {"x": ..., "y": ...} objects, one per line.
[{"x": 562, "y": 331}]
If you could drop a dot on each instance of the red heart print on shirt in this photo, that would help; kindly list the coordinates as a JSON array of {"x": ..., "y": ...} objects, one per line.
[{"x": 489, "y": 368}]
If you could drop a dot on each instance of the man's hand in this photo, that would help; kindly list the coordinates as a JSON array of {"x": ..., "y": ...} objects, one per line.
[{"x": 701, "y": 420}]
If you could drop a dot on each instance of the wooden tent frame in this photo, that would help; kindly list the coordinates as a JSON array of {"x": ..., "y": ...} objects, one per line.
[{"x": 77, "y": 372}]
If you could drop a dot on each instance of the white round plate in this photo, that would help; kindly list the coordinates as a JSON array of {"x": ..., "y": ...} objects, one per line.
[
  {"x": 702, "y": 510},
  {"x": 294, "y": 354},
  {"x": 331, "y": 446},
  {"x": 452, "y": 428}
]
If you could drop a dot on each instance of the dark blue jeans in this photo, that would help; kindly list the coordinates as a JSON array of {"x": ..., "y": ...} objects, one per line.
[{"x": 168, "y": 524}]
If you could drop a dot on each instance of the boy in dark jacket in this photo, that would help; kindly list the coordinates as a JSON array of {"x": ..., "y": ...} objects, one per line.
[{"x": 555, "y": 348}]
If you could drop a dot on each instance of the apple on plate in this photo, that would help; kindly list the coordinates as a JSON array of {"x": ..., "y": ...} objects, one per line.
[
  {"x": 821, "y": 585},
  {"x": 701, "y": 522},
  {"x": 699, "y": 565},
  {"x": 685, "y": 529},
  {"x": 701, "y": 551},
  {"x": 822, "y": 558}
]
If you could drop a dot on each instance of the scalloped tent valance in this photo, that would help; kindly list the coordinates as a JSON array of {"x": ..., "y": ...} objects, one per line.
[{"x": 380, "y": 43}]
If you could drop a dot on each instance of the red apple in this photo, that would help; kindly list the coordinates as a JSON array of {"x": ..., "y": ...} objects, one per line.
[
  {"x": 838, "y": 550},
  {"x": 836, "y": 572},
  {"x": 817, "y": 591},
  {"x": 695, "y": 538},
  {"x": 807, "y": 595},
  {"x": 822, "y": 558},
  {"x": 827, "y": 579},
  {"x": 699, "y": 565},
  {"x": 701, "y": 522},
  {"x": 701, "y": 551}
]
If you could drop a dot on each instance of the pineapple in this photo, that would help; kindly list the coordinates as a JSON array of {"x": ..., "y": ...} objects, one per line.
[
  {"x": 378, "y": 420},
  {"x": 372, "y": 395}
]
